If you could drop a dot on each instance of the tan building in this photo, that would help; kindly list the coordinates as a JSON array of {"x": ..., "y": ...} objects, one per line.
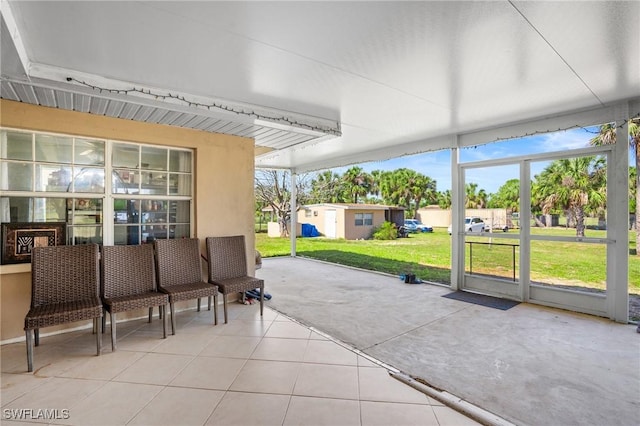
[
  {"x": 205, "y": 204},
  {"x": 349, "y": 221}
]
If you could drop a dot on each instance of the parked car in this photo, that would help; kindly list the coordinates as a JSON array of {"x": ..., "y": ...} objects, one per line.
[
  {"x": 414, "y": 225},
  {"x": 473, "y": 224}
]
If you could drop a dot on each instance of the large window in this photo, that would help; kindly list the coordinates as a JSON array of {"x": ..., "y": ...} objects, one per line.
[{"x": 54, "y": 178}]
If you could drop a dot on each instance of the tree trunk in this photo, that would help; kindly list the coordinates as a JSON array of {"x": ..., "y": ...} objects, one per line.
[
  {"x": 579, "y": 216},
  {"x": 538, "y": 222}
]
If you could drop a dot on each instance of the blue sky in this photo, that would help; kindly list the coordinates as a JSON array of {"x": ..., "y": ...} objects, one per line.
[{"x": 437, "y": 165}]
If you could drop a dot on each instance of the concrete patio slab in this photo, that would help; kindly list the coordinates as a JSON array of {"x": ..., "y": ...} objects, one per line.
[{"x": 528, "y": 364}]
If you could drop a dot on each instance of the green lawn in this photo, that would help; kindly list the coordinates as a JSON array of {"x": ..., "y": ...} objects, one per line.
[{"x": 428, "y": 256}]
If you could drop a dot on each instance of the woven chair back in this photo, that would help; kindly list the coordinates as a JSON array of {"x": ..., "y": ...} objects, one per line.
[
  {"x": 64, "y": 274},
  {"x": 178, "y": 261},
  {"x": 227, "y": 257},
  {"x": 127, "y": 270}
]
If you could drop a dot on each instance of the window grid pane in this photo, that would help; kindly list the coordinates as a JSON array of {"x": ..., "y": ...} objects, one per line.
[{"x": 76, "y": 165}]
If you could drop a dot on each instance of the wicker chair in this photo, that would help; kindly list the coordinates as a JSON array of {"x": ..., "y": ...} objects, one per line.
[
  {"x": 180, "y": 274},
  {"x": 65, "y": 285},
  {"x": 129, "y": 283},
  {"x": 228, "y": 268}
]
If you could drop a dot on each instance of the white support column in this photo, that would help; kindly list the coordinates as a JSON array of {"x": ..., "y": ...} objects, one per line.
[
  {"x": 294, "y": 214},
  {"x": 618, "y": 224},
  {"x": 457, "y": 213},
  {"x": 525, "y": 229}
]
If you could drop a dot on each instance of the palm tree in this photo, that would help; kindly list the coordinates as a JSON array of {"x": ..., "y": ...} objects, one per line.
[
  {"x": 327, "y": 187},
  {"x": 358, "y": 183},
  {"x": 575, "y": 185},
  {"x": 606, "y": 136},
  {"x": 473, "y": 199},
  {"x": 444, "y": 199}
]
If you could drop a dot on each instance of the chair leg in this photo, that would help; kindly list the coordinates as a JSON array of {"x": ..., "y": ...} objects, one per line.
[
  {"x": 215, "y": 309},
  {"x": 151, "y": 313},
  {"x": 104, "y": 320},
  {"x": 113, "y": 331},
  {"x": 173, "y": 318},
  {"x": 261, "y": 300},
  {"x": 163, "y": 309},
  {"x": 29, "y": 351},
  {"x": 224, "y": 306},
  {"x": 96, "y": 324},
  {"x": 36, "y": 332},
  {"x": 198, "y": 304},
  {"x": 209, "y": 303}
]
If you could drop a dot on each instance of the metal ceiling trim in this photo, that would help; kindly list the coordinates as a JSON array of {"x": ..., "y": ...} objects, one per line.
[{"x": 77, "y": 98}]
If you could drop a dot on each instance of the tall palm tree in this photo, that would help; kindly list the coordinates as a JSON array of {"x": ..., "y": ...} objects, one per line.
[
  {"x": 327, "y": 187},
  {"x": 358, "y": 183},
  {"x": 444, "y": 199},
  {"x": 607, "y": 135},
  {"x": 475, "y": 199},
  {"x": 575, "y": 185}
]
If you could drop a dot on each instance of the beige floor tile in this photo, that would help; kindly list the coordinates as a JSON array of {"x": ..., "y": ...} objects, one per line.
[
  {"x": 277, "y": 349},
  {"x": 328, "y": 352},
  {"x": 183, "y": 344},
  {"x": 245, "y": 328},
  {"x": 449, "y": 417},
  {"x": 328, "y": 381},
  {"x": 231, "y": 347},
  {"x": 256, "y": 409},
  {"x": 13, "y": 386},
  {"x": 267, "y": 377},
  {"x": 199, "y": 330},
  {"x": 322, "y": 411},
  {"x": 179, "y": 406},
  {"x": 56, "y": 393},
  {"x": 140, "y": 341},
  {"x": 234, "y": 309},
  {"x": 289, "y": 330},
  {"x": 209, "y": 373},
  {"x": 113, "y": 404},
  {"x": 154, "y": 369},
  {"x": 81, "y": 341},
  {"x": 103, "y": 367},
  {"x": 252, "y": 312},
  {"x": 53, "y": 361},
  {"x": 377, "y": 385},
  {"x": 397, "y": 414}
]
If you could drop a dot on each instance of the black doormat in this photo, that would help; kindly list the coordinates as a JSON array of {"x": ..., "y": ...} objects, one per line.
[{"x": 482, "y": 299}]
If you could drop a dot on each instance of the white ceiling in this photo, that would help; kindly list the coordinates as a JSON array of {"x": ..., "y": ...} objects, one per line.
[{"x": 392, "y": 78}]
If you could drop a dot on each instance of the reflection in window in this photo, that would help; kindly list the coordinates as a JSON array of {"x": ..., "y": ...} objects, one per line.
[
  {"x": 54, "y": 149},
  {"x": 16, "y": 146},
  {"x": 88, "y": 180}
]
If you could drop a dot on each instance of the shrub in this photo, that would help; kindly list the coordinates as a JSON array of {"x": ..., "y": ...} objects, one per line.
[{"x": 386, "y": 231}]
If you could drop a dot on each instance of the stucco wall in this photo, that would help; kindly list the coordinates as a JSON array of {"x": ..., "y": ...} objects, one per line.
[
  {"x": 442, "y": 218},
  {"x": 353, "y": 232},
  {"x": 223, "y": 181}
]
